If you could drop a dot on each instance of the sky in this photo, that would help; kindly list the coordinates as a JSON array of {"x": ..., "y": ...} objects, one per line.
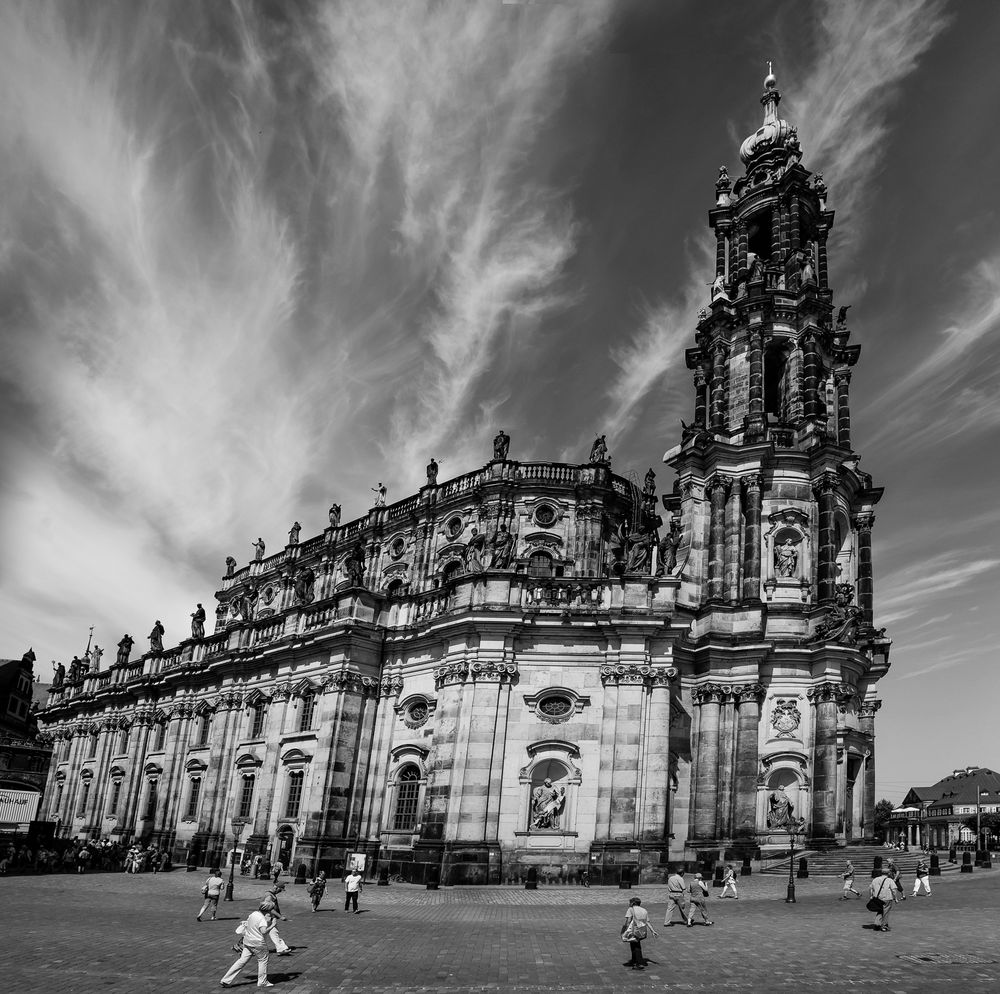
[{"x": 256, "y": 257}]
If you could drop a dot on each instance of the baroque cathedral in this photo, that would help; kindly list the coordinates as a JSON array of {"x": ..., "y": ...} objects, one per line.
[{"x": 542, "y": 664}]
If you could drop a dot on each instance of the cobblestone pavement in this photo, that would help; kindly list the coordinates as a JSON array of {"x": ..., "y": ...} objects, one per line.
[{"x": 116, "y": 933}]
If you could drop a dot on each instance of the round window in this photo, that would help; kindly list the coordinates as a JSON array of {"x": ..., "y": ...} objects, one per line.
[
  {"x": 397, "y": 548},
  {"x": 416, "y": 714},
  {"x": 555, "y": 708},
  {"x": 545, "y": 515},
  {"x": 268, "y": 595},
  {"x": 454, "y": 527}
]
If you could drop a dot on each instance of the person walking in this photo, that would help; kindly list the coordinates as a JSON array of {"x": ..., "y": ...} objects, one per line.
[
  {"x": 270, "y": 907},
  {"x": 896, "y": 879},
  {"x": 677, "y": 890},
  {"x": 848, "y": 876},
  {"x": 699, "y": 895},
  {"x": 882, "y": 893},
  {"x": 729, "y": 882},
  {"x": 276, "y": 871},
  {"x": 353, "y": 884},
  {"x": 255, "y": 932},
  {"x": 637, "y": 924},
  {"x": 923, "y": 877},
  {"x": 211, "y": 890},
  {"x": 317, "y": 888}
]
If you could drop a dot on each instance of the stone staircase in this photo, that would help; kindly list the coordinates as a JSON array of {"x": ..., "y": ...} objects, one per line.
[{"x": 831, "y": 862}]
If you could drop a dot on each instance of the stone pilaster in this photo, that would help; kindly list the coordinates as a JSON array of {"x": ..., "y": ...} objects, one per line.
[
  {"x": 721, "y": 233},
  {"x": 733, "y": 529},
  {"x": 756, "y": 362},
  {"x": 749, "y": 697},
  {"x": 268, "y": 772},
  {"x": 726, "y": 764},
  {"x": 172, "y": 778},
  {"x": 822, "y": 266},
  {"x": 708, "y": 701},
  {"x": 717, "y": 489},
  {"x": 866, "y": 586},
  {"x": 717, "y": 411},
  {"x": 842, "y": 380},
  {"x": 450, "y": 680},
  {"x": 375, "y": 818},
  {"x": 145, "y": 722},
  {"x": 700, "y": 400},
  {"x": 751, "y": 537},
  {"x": 654, "y": 811},
  {"x": 866, "y": 724},
  {"x": 826, "y": 574},
  {"x": 824, "y": 698},
  {"x": 810, "y": 377}
]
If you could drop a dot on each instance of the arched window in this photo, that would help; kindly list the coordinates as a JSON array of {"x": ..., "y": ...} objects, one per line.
[
  {"x": 540, "y": 564},
  {"x": 151, "y": 800},
  {"x": 776, "y": 387},
  {"x": 306, "y": 710},
  {"x": 407, "y": 794},
  {"x": 161, "y": 735},
  {"x": 81, "y": 808},
  {"x": 114, "y": 797},
  {"x": 92, "y": 747},
  {"x": 451, "y": 571},
  {"x": 194, "y": 794},
  {"x": 123, "y": 740},
  {"x": 246, "y": 795},
  {"x": 205, "y": 729},
  {"x": 394, "y": 589},
  {"x": 295, "y": 779}
]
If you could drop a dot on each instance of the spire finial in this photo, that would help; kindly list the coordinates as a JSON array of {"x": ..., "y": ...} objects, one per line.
[{"x": 770, "y": 82}]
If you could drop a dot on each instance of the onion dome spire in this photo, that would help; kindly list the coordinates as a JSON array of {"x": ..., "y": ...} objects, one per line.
[{"x": 773, "y": 132}]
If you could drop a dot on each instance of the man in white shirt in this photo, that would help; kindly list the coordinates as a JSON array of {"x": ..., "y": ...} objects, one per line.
[
  {"x": 352, "y": 888},
  {"x": 255, "y": 930},
  {"x": 884, "y": 890}
]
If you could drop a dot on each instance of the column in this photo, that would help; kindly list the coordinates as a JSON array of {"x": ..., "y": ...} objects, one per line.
[
  {"x": 718, "y": 406},
  {"x": 826, "y": 573},
  {"x": 810, "y": 377},
  {"x": 822, "y": 268},
  {"x": 733, "y": 529},
  {"x": 721, "y": 232},
  {"x": 866, "y": 724},
  {"x": 717, "y": 490},
  {"x": 708, "y": 699},
  {"x": 449, "y": 680},
  {"x": 842, "y": 380},
  {"x": 793, "y": 222},
  {"x": 775, "y": 234},
  {"x": 751, "y": 537},
  {"x": 786, "y": 232},
  {"x": 866, "y": 587},
  {"x": 172, "y": 779},
  {"x": 700, "y": 401},
  {"x": 726, "y": 765},
  {"x": 625, "y": 770},
  {"x": 654, "y": 814},
  {"x": 132, "y": 794},
  {"x": 749, "y": 697},
  {"x": 741, "y": 255},
  {"x": 756, "y": 359},
  {"x": 823, "y": 697}
]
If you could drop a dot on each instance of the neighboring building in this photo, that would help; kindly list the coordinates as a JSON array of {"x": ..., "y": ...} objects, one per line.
[
  {"x": 937, "y": 815},
  {"x": 540, "y": 663},
  {"x": 24, "y": 758}
]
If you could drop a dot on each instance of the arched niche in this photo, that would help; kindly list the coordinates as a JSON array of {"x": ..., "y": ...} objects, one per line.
[
  {"x": 549, "y": 792},
  {"x": 788, "y": 556},
  {"x": 783, "y": 788}
]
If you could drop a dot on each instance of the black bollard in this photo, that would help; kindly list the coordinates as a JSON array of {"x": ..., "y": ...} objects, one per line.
[
  {"x": 987, "y": 860},
  {"x": 876, "y": 867},
  {"x": 717, "y": 878},
  {"x": 300, "y": 873},
  {"x": 531, "y": 881},
  {"x": 433, "y": 878},
  {"x": 966, "y": 862},
  {"x": 935, "y": 865},
  {"x": 803, "y": 873},
  {"x": 952, "y": 855},
  {"x": 746, "y": 869},
  {"x": 383, "y": 877}
]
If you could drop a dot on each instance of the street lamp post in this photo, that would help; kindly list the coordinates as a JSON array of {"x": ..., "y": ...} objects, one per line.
[
  {"x": 792, "y": 829},
  {"x": 238, "y": 826}
]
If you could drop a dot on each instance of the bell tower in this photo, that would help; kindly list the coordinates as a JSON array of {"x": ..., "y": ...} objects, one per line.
[{"x": 774, "y": 515}]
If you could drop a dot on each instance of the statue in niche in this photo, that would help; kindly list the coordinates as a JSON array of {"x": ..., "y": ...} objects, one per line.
[
  {"x": 842, "y": 317},
  {"x": 808, "y": 273},
  {"x": 354, "y": 565},
  {"x": 198, "y": 623},
  {"x": 547, "y": 803},
  {"x": 432, "y": 472},
  {"x": 304, "y": 586},
  {"x": 786, "y": 558},
  {"x": 501, "y": 445},
  {"x": 779, "y": 808},
  {"x": 230, "y": 566},
  {"x": 124, "y": 650},
  {"x": 156, "y": 637},
  {"x": 599, "y": 450},
  {"x": 475, "y": 552},
  {"x": 380, "y": 491},
  {"x": 334, "y": 513},
  {"x": 501, "y": 548},
  {"x": 756, "y": 269},
  {"x": 59, "y": 675},
  {"x": 293, "y": 534},
  {"x": 258, "y": 548}
]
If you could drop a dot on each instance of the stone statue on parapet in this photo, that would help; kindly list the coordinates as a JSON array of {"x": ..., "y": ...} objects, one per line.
[
  {"x": 842, "y": 620},
  {"x": 666, "y": 560},
  {"x": 475, "y": 552},
  {"x": 124, "y": 650},
  {"x": 599, "y": 450},
  {"x": 293, "y": 534},
  {"x": 75, "y": 669},
  {"x": 334, "y": 515},
  {"x": 842, "y": 317},
  {"x": 258, "y": 548},
  {"x": 304, "y": 586},
  {"x": 432, "y": 472},
  {"x": 380, "y": 491},
  {"x": 230, "y": 566},
  {"x": 245, "y": 603},
  {"x": 808, "y": 271},
  {"x": 756, "y": 269},
  {"x": 501, "y": 445},
  {"x": 198, "y": 623},
  {"x": 58, "y": 675},
  {"x": 156, "y": 637},
  {"x": 95, "y": 658}
]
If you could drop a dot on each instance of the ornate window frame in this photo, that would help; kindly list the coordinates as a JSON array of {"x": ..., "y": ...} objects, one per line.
[
  {"x": 542, "y": 751},
  {"x": 402, "y": 756},
  {"x": 402, "y": 709},
  {"x": 796, "y": 522},
  {"x": 535, "y": 701}
]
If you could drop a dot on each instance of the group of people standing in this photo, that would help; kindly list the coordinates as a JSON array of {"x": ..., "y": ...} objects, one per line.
[{"x": 261, "y": 925}]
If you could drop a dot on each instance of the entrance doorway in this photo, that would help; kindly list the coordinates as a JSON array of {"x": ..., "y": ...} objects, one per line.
[{"x": 286, "y": 841}]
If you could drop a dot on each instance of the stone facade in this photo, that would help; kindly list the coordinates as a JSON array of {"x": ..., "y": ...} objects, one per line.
[{"x": 539, "y": 663}]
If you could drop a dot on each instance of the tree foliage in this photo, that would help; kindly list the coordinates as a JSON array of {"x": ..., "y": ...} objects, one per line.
[{"x": 883, "y": 811}]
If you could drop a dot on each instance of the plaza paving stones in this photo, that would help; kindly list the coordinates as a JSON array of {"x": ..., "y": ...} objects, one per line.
[{"x": 116, "y": 933}]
